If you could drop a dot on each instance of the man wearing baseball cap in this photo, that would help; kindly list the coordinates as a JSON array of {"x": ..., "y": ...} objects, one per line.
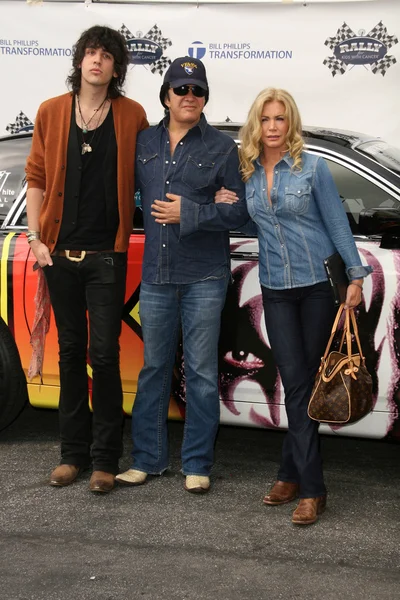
[{"x": 180, "y": 164}]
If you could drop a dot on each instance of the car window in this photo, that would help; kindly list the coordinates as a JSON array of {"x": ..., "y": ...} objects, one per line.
[
  {"x": 13, "y": 153},
  {"x": 358, "y": 193}
]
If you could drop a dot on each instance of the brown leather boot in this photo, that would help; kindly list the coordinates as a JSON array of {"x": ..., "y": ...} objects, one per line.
[
  {"x": 64, "y": 475},
  {"x": 281, "y": 493},
  {"x": 308, "y": 510},
  {"x": 101, "y": 482}
]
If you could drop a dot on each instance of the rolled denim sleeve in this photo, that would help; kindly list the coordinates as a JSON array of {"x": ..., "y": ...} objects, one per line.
[
  {"x": 336, "y": 221},
  {"x": 220, "y": 216}
]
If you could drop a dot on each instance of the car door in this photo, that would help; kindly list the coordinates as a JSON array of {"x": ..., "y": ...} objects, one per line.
[
  {"x": 361, "y": 188},
  {"x": 19, "y": 281},
  {"x": 13, "y": 257}
]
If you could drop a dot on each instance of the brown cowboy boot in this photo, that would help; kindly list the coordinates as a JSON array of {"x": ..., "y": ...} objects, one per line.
[
  {"x": 101, "y": 482},
  {"x": 64, "y": 475},
  {"x": 308, "y": 510},
  {"x": 281, "y": 493}
]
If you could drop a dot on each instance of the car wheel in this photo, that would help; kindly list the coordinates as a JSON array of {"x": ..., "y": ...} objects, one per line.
[{"x": 13, "y": 389}]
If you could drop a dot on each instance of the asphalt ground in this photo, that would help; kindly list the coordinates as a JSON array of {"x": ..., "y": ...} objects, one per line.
[{"x": 159, "y": 542}]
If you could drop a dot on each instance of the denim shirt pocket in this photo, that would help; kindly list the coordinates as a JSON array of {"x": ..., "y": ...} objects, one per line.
[
  {"x": 147, "y": 167},
  {"x": 251, "y": 209},
  {"x": 197, "y": 172},
  {"x": 297, "y": 199}
]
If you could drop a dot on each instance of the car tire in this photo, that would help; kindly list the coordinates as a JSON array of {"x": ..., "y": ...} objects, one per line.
[{"x": 13, "y": 388}]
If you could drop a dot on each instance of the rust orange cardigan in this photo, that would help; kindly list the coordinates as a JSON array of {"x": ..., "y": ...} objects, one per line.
[{"x": 46, "y": 164}]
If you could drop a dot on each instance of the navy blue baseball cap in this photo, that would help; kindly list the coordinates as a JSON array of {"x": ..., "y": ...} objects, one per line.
[{"x": 186, "y": 71}]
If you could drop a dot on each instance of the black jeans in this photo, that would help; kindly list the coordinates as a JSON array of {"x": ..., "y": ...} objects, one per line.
[
  {"x": 93, "y": 287},
  {"x": 299, "y": 323}
]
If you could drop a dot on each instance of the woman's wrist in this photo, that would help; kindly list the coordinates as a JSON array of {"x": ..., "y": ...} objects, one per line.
[{"x": 357, "y": 283}]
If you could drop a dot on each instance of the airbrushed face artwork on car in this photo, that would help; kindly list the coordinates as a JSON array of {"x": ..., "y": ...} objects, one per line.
[
  {"x": 246, "y": 363},
  {"x": 245, "y": 354}
]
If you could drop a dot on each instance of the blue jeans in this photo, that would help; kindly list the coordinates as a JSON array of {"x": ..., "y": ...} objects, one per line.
[
  {"x": 163, "y": 310},
  {"x": 299, "y": 323}
]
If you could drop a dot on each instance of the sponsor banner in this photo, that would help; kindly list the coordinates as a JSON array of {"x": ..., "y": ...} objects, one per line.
[{"x": 342, "y": 64}]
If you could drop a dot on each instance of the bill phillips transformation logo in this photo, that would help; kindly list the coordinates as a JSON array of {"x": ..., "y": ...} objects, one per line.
[
  {"x": 148, "y": 49},
  {"x": 368, "y": 50},
  {"x": 236, "y": 50}
]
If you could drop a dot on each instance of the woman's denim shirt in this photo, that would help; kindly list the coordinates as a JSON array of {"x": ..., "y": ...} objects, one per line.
[{"x": 305, "y": 224}]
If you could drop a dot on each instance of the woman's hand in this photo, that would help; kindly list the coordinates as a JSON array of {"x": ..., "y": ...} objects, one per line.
[
  {"x": 226, "y": 196},
  {"x": 354, "y": 293}
]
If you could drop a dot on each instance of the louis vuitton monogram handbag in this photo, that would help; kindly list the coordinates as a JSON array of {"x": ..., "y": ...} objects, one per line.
[{"x": 342, "y": 392}]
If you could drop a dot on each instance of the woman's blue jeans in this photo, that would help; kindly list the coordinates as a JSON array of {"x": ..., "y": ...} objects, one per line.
[
  {"x": 164, "y": 309},
  {"x": 299, "y": 323}
]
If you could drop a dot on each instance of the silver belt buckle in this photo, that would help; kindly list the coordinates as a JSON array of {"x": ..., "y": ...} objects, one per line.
[{"x": 75, "y": 258}]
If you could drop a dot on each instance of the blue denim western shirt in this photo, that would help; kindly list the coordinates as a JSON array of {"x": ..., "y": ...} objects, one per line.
[
  {"x": 203, "y": 161},
  {"x": 305, "y": 224}
]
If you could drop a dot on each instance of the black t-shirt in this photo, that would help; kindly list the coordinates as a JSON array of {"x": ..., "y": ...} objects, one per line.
[{"x": 97, "y": 218}]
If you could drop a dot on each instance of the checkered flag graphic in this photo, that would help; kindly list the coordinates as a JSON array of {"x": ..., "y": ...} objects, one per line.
[
  {"x": 159, "y": 66},
  {"x": 21, "y": 122},
  {"x": 155, "y": 34},
  {"x": 343, "y": 33},
  {"x": 379, "y": 32},
  {"x": 126, "y": 34},
  {"x": 335, "y": 66},
  {"x": 381, "y": 66}
]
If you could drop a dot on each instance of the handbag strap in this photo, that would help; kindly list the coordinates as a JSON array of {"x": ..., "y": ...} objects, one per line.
[
  {"x": 334, "y": 329},
  {"x": 355, "y": 331},
  {"x": 350, "y": 316},
  {"x": 352, "y": 368},
  {"x": 348, "y": 334}
]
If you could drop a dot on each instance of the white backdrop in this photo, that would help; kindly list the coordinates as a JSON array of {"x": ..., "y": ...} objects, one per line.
[{"x": 244, "y": 48}]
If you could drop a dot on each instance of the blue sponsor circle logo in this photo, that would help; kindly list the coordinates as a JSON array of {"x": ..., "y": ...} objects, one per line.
[
  {"x": 197, "y": 50},
  {"x": 143, "y": 51},
  {"x": 360, "y": 51}
]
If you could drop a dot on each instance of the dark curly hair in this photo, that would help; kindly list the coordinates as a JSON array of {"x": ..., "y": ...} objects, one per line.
[{"x": 113, "y": 42}]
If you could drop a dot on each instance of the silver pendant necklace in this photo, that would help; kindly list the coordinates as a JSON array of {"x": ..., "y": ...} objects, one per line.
[{"x": 86, "y": 146}]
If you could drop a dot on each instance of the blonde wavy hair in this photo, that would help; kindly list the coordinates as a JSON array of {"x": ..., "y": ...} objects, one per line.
[{"x": 250, "y": 134}]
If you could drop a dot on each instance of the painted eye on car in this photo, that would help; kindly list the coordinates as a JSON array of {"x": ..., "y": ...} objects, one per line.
[{"x": 244, "y": 360}]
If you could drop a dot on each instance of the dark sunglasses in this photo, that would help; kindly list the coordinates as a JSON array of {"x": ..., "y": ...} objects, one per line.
[{"x": 183, "y": 90}]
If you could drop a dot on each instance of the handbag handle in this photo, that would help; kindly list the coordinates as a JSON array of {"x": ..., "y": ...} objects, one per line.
[
  {"x": 355, "y": 330},
  {"x": 346, "y": 332},
  {"x": 334, "y": 328}
]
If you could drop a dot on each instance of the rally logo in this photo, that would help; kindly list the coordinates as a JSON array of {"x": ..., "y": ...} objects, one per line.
[
  {"x": 147, "y": 49},
  {"x": 21, "y": 124},
  {"x": 368, "y": 50}
]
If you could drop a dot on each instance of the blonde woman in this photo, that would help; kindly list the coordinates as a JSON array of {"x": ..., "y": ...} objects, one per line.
[{"x": 293, "y": 201}]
